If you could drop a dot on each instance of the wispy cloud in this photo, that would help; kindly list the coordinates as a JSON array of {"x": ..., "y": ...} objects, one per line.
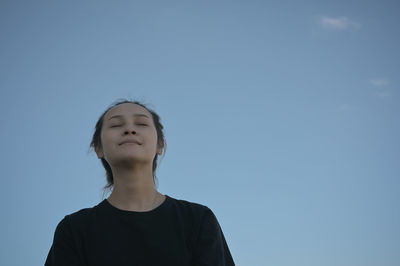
[
  {"x": 380, "y": 85},
  {"x": 383, "y": 94},
  {"x": 379, "y": 82},
  {"x": 340, "y": 23}
]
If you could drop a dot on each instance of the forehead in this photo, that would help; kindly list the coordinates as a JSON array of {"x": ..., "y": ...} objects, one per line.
[{"x": 127, "y": 109}]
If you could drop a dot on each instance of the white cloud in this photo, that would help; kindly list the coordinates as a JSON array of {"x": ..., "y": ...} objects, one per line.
[
  {"x": 380, "y": 85},
  {"x": 341, "y": 23},
  {"x": 379, "y": 82},
  {"x": 383, "y": 94}
]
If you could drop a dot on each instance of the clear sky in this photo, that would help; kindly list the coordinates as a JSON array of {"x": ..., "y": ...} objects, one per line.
[{"x": 281, "y": 116}]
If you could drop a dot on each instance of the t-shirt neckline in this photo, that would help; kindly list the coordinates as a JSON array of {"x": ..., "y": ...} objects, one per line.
[{"x": 126, "y": 212}]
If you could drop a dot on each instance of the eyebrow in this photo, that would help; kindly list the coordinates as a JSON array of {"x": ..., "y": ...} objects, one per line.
[{"x": 120, "y": 116}]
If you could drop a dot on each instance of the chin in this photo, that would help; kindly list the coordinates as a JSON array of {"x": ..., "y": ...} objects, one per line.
[{"x": 131, "y": 160}]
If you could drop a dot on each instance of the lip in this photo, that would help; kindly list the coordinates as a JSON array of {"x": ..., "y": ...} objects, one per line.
[{"x": 130, "y": 141}]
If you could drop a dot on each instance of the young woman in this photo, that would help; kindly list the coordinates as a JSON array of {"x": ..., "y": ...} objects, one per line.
[{"x": 136, "y": 224}]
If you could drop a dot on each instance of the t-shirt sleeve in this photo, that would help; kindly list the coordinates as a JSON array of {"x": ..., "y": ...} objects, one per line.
[
  {"x": 211, "y": 248},
  {"x": 63, "y": 251}
]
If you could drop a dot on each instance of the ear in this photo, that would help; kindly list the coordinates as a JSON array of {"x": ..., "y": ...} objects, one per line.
[
  {"x": 160, "y": 148},
  {"x": 99, "y": 152}
]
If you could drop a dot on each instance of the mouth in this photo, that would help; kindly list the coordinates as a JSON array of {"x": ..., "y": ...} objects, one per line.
[{"x": 130, "y": 142}]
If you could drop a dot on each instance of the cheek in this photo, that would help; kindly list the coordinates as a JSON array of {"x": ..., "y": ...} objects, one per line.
[
  {"x": 155, "y": 138},
  {"x": 104, "y": 139}
]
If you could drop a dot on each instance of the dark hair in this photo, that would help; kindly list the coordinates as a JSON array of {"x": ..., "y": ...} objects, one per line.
[{"x": 96, "y": 139}]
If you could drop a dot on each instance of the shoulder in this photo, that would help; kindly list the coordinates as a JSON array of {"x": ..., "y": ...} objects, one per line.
[
  {"x": 79, "y": 219},
  {"x": 195, "y": 212},
  {"x": 188, "y": 206},
  {"x": 207, "y": 238}
]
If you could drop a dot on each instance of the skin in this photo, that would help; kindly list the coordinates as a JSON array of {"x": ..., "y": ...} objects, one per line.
[{"x": 131, "y": 163}]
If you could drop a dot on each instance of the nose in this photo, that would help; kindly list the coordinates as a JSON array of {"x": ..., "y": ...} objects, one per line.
[{"x": 129, "y": 130}]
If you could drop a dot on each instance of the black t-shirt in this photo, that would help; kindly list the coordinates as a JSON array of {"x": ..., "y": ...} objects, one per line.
[{"x": 175, "y": 233}]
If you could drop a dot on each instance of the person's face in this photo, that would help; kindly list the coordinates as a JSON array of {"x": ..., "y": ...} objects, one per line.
[{"x": 128, "y": 136}]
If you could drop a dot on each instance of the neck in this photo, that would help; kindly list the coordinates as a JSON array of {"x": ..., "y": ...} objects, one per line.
[{"x": 134, "y": 190}]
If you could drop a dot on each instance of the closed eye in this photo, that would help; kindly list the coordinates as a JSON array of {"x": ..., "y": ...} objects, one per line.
[{"x": 139, "y": 124}]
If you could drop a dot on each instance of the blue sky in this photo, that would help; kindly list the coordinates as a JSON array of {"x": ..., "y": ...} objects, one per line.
[{"x": 281, "y": 116}]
